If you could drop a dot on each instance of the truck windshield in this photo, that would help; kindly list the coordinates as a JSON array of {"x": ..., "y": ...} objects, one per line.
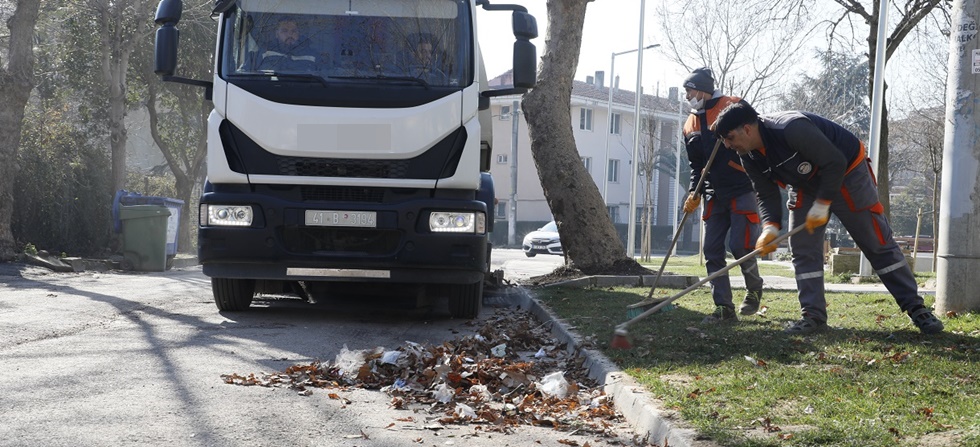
[{"x": 423, "y": 43}]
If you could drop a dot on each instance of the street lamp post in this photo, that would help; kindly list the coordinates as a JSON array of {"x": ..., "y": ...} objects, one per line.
[
  {"x": 612, "y": 77},
  {"x": 631, "y": 227}
]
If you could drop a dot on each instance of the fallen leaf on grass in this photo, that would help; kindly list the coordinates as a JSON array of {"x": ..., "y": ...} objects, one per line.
[{"x": 756, "y": 363}]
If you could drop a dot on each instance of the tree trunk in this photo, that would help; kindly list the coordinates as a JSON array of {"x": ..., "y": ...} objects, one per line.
[
  {"x": 587, "y": 235},
  {"x": 16, "y": 84}
]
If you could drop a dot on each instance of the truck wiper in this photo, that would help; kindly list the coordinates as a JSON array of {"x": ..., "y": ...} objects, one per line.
[
  {"x": 286, "y": 76},
  {"x": 415, "y": 80}
]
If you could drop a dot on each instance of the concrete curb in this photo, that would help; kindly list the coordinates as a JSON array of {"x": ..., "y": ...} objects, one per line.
[
  {"x": 669, "y": 281},
  {"x": 649, "y": 420}
]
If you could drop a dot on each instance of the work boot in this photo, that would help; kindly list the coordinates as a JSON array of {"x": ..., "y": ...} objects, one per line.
[
  {"x": 750, "y": 304},
  {"x": 721, "y": 314},
  {"x": 926, "y": 321},
  {"x": 806, "y": 326}
]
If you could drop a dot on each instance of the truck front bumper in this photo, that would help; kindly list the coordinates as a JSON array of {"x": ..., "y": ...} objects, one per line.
[{"x": 400, "y": 248}]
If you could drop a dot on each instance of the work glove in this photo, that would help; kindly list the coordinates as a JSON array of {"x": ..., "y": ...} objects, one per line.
[
  {"x": 818, "y": 215},
  {"x": 769, "y": 232},
  {"x": 692, "y": 202}
]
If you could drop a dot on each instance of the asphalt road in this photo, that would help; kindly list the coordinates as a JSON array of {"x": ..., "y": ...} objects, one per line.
[{"x": 136, "y": 359}]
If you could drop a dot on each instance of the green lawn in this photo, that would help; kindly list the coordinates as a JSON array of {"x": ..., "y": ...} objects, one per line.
[
  {"x": 693, "y": 265},
  {"x": 872, "y": 380}
]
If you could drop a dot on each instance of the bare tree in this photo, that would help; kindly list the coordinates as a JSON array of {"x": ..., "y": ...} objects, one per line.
[
  {"x": 16, "y": 84},
  {"x": 119, "y": 25},
  {"x": 749, "y": 45},
  {"x": 909, "y": 15},
  {"x": 178, "y": 113},
  {"x": 588, "y": 236}
]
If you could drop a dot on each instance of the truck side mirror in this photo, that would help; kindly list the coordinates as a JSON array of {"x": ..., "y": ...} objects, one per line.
[
  {"x": 165, "y": 47},
  {"x": 165, "y": 50},
  {"x": 525, "y": 64},
  {"x": 525, "y": 54}
]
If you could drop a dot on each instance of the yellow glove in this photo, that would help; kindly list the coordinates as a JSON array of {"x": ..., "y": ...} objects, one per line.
[
  {"x": 692, "y": 202},
  {"x": 769, "y": 232},
  {"x": 818, "y": 215}
]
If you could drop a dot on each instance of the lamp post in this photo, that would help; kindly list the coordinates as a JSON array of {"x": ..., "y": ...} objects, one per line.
[
  {"x": 612, "y": 72},
  {"x": 631, "y": 227}
]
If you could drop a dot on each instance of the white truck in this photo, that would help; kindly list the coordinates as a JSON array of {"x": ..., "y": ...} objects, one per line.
[{"x": 348, "y": 148}]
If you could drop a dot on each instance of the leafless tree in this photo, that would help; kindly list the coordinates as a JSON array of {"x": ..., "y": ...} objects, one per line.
[
  {"x": 909, "y": 14},
  {"x": 16, "y": 84},
  {"x": 749, "y": 45},
  {"x": 120, "y": 25},
  {"x": 587, "y": 234},
  {"x": 178, "y": 113}
]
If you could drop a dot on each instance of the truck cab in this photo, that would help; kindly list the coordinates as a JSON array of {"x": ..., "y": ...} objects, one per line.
[{"x": 348, "y": 146}]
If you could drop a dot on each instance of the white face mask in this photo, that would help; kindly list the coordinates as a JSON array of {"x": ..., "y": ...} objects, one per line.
[{"x": 695, "y": 103}]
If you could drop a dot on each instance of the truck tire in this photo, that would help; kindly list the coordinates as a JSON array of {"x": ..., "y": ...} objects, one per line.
[
  {"x": 466, "y": 300},
  {"x": 232, "y": 294}
]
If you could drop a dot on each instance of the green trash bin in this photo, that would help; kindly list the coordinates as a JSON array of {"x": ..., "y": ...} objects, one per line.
[{"x": 144, "y": 234}]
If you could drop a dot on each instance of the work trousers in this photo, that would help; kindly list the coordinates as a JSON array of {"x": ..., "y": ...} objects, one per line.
[
  {"x": 736, "y": 219},
  {"x": 858, "y": 208}
]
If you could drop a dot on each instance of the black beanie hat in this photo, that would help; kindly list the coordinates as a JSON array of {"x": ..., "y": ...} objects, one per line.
[{"x": 701, "y": 79}]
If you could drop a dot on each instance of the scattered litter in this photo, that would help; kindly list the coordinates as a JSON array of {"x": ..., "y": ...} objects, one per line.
[
  {"x": 499, "y": 350},
  {"x": 443, "y": 393},
  {"x": 492, "y": 378},
  {"x": 554, "y": 385},
  {"x": 464, "y": 411}
]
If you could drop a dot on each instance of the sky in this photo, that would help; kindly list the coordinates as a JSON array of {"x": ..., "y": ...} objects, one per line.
[
  {"x": 610, "y": 26},
  {"x": 613, "y": 26}
]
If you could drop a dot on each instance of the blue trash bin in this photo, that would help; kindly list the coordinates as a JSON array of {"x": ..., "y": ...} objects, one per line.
[{"x": 127, "y": 198}]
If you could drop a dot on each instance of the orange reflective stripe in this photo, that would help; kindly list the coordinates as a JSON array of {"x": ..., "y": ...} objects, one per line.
[
  {"x": 752, "y": 217},
  {"x": 707, "y": 209},
  {"x": 735, "y": 166},
  {"x": 862, "y": 154}
]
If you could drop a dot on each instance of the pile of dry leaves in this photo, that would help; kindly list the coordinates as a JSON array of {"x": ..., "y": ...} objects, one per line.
[{"x": 512, "y": 372}]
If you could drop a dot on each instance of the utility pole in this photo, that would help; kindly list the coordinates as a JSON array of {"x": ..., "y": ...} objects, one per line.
[
  {"x": 957, "y": 281},
  {"x": 512, "y": 213}
]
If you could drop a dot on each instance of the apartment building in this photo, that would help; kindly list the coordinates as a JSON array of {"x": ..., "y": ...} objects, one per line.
[{"x": 597, "y": 124}]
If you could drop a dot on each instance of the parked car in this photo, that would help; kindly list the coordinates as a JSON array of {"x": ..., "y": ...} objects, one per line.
[{"x": 544, "y": 241}]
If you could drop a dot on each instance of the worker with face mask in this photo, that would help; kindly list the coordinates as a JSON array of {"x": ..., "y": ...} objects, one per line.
[{"x": 730, "y": 209}]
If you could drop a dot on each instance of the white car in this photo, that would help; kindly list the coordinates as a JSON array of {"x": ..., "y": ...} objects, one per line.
[{"x": 544, "y": 240}]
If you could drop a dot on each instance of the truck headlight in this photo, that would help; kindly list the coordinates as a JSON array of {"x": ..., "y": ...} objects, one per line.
[
  {"x": 226, "y": 215},
  {"x": 456, "y": 222}
]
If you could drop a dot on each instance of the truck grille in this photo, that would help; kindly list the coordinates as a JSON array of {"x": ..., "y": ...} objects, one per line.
[
  {"x": 371, "y": 241},
  {"x": 342, "y": 194},
  {"x": 318, "y": 167}
]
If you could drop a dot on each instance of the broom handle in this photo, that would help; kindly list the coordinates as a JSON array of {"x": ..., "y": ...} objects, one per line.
[
  {"x": 714, "y": 275},
  {"x": 704, "y": 173}
]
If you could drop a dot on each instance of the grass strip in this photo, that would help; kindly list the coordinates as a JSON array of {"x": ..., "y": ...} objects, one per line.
[{"x": 871, "y": 380}]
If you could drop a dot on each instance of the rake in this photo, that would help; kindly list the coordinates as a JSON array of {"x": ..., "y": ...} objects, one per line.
[
  {"x": 636, "y": 309},
  {"x": 621, "y": 336}
]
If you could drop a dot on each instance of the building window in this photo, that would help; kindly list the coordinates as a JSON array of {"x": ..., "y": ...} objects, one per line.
[
  {"x": 612, "y": 174},
  {"x": 587, "y": 161},
  {"x": 504, "y": 113},
  {"x": 614, "y": 124},
  {"x": 585, "y": 119},
  {"x": 502, "y": 159},
  {"x": 613, "y": 213},
  {"x": 501, "y": 210}
]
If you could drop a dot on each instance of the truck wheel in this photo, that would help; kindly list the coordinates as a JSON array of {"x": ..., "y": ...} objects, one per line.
[
  {"x": 232, "y": 294},
  {"x": 466, "y": 300}
]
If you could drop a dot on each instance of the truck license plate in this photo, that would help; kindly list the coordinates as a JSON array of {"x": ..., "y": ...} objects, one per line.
[{"x": 323, "y": 218}]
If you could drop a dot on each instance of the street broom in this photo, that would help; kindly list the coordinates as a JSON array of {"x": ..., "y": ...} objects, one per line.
[
  {"x": 638, "y": 308},
  {"x": 621, "y": 336}
]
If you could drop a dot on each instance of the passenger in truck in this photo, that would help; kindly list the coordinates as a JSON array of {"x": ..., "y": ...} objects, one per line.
[
  {"x": 290, "y": 51},
  {"x": 426, "y": 64}
]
